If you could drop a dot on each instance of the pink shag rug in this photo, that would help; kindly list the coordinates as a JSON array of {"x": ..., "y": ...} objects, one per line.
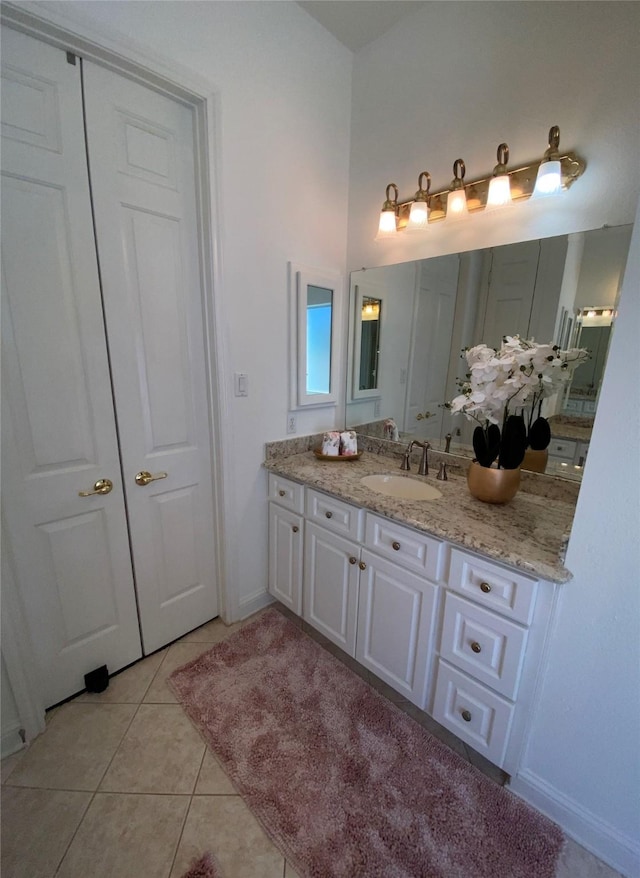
[
  {"x": 346, "y": 784},
  {"x": 205, "y": 867}
]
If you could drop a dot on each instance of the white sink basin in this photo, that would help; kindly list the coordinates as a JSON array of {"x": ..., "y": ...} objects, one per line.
[{"x": 400, "y": 487}]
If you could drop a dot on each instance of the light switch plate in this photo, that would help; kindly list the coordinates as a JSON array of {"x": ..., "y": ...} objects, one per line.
[{"x": 241, "y": 383}]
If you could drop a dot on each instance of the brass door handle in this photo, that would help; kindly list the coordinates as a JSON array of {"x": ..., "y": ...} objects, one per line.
[
  {"x": 143, "y": 478},
  {"x": 102, "y": 486}
]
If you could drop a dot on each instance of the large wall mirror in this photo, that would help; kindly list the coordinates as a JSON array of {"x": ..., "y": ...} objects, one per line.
[{"x": 563, "y": 289}]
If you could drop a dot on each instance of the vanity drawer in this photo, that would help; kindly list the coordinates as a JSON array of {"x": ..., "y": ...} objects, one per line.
[
  {"x": 565, "y": 448},
  {"x": 483, "y": 644},
  {"x": 287, "y": 493},
  {"x": 416, "y": 551},
  {"x": 334, "y": 514},
  {"x": 498, "y": 588},
  {"x": 472, "y": 712}
]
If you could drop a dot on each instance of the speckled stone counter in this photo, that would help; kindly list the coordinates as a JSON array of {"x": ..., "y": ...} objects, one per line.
[{"x": 530, "y": 532}]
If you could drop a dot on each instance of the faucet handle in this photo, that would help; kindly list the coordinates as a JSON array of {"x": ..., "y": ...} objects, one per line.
[{"x": 442, "y": 473}]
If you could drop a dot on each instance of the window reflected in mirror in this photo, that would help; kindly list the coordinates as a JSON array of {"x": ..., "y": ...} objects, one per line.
[
  {"x": 319, "y": 323},
  {"x": 370, "y": 317}
]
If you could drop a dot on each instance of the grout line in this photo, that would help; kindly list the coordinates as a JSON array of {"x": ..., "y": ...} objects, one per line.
[{"x": 73, "y": 835}]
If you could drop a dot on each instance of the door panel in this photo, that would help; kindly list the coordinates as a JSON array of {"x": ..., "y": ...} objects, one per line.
[
  {"x": 142, "y": 171},
  {"x": 72, "y": 553}
]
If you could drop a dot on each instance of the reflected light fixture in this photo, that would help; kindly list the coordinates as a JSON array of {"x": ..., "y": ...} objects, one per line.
[
  {"x": 457, "y": 198},
  {"x": 549, "y": 179},
  {"x": 370, "y": 309},
  {"x": 552, "y": 173},
  {"x": 500, "y": 185},
  {"x": 387, "y": 227},
  {"x": 419, "y": 213}
]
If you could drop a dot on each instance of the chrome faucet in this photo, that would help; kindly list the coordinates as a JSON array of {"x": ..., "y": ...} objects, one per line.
[{"x": 423, "y": 469}]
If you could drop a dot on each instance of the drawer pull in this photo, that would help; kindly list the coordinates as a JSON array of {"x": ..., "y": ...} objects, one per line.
[
  {"x": 281, "y": 492},
  {"x": 362, "y": 565},
  {"x": 295, "y": 528},
  {"x": 485, "y": 587},
  {"x": 466, "y": 716},
  {"x": 329, "y": 514},
  {"x": 395, "y": 545},
  {"x": 353, "y": 560},
  {"x": 475, "y": 646}
]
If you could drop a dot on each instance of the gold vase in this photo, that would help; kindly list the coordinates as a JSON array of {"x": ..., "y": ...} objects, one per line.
[
  {"x": 493, "y": 485},
  {"x": 535, "y": 461}
]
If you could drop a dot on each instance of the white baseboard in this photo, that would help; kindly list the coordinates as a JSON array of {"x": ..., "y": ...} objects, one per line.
[
  {"x": 10, "y": 740},
  {"x": 249, "y": 605},
  {"x": 605, "y": 841}
]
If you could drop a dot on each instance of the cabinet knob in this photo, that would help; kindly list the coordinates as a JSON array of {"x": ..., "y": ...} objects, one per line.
[
  {"x": 353, "y": 560},
  {"x": 329, "y": 514},
  {"x": 282, "y": 493},
  {"x": 475, "y": 646},
  {"x": 485, "y": 587},
  {"x": 395, "y": 545},
  {"x": 362, "y": 565},
  {"x": 295, "y": 528},
  {"x": 466, "y": 716}
]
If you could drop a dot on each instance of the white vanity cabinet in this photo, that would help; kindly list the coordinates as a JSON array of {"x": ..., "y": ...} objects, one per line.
[
  {"x": 286, "y": 542},
  {"x": 456, "y": 634},
  {"x": 493, "y": 630}
]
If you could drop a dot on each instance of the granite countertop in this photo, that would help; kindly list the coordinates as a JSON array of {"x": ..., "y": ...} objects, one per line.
[
  {"x": 530, "y": 532},
  {"x": 568, "y": 427}
]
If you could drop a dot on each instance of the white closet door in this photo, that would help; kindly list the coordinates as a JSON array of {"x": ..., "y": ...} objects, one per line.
[
  {"x": 71, "y": 553},
  {"x": 141, "y": 157}
]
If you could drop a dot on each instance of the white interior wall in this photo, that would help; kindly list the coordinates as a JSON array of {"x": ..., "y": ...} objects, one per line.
[
  {"x": 283, "y": 85},
  {"x": 455, "y": 81}
]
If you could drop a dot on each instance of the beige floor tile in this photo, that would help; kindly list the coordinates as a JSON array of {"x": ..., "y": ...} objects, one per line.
[
  {"x": 9, "y": 763},
  {"x": 160, "y": 753},
  {"x": 212, "y": 780},
  {"x": 225, "y": 826},
  {"x": 127, "y": 836},
  {"x": 36, "y": 854},
  {"x": 76, "y": 748},
  {"x": 289, "y": 871},
  {"x": 576, "y": 862},
  {"x": 213, "y": 632},
  {"x": 177, "y": 655},
  {"x": 127, "y": 687}
]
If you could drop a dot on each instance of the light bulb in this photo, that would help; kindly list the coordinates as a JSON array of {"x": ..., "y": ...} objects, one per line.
[
  {"x": 499, "y": 192},
  {"x": 418, "y": 217},
  {"x": 549, "y": 179}
]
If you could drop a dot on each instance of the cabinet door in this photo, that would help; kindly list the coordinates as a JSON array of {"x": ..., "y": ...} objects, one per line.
[
  {"x": 71, "y": 553},
  {"x": 396, "y": 614},
  {"x": 285, "y": 557},
  {"x": 331, "y": 571}
]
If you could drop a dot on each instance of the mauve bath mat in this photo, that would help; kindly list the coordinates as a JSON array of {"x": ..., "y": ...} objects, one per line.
[{"x": 346, "y": 784}]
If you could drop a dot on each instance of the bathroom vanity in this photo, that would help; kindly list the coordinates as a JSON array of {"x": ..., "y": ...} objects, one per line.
[{"x": 449, "y": 601}]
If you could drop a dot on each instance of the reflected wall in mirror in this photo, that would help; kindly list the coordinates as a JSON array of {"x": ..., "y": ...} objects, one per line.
[{"x": 563, "y": 289}]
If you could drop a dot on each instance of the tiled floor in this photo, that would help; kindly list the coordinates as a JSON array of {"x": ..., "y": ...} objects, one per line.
[{"x": 120, "y": 785}]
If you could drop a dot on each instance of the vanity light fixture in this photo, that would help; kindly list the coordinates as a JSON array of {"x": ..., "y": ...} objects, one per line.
[
  {"x": 536, "y": 179},
  {"x": 500, "y": 185},
  {"x": 419, "y": 213},
  {"x": 457, "y": 198},
  {"x": 549, "y": 179},
  {"x": 387, "y": 227}
]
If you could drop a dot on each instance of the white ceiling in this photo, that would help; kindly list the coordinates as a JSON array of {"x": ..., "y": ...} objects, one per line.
[{"x": 358, "y": 22}]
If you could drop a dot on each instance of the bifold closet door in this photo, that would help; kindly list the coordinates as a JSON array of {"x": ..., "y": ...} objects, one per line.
[
  {"x": 71, "y": 553},
  {"x": 141, "y": 158}
]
